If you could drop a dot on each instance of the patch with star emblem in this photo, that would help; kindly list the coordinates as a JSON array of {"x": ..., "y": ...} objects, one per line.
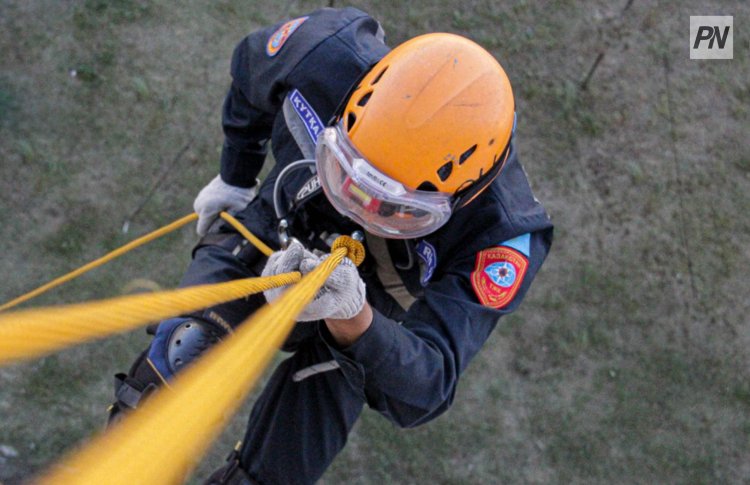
[{"x": 497, "y": 275}]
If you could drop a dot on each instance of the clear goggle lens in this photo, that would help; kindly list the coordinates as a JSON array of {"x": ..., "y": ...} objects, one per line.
[{"x": 381, "y": 205}]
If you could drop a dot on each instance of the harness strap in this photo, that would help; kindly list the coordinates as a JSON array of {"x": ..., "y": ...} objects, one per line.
[{"x": 127, "y": 394}]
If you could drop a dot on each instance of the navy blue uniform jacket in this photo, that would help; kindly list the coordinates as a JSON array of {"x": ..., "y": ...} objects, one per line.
[{"x": 408, "y": 362}]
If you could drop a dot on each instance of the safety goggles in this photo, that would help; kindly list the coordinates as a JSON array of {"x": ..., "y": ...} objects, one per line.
[{"x": 382, "y": 206}]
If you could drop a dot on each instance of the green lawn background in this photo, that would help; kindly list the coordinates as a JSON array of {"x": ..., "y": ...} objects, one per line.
[{"x": 628, "y": 361}]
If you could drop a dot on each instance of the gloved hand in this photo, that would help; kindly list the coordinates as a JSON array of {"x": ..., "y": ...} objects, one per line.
[
  {"x": 219, "y": 196},
  {"x": 284, "y": 261},
  {"x": 341, "y": 297}
]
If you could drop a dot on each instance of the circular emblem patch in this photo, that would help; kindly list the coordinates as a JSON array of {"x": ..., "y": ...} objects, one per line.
[
  {"x": 502, "y": 274},
  {"x": 278, "y": 38}
]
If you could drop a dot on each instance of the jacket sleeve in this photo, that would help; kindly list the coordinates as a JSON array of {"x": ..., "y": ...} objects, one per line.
[
  {"x": 261, "y": 78},
  {"x": 409, "y": 371},
  {"x": 246, "y": 128},
  {"x": 251, "y": 104}
]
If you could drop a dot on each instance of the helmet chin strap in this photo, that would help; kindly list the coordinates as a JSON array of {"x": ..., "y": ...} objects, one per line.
[
  {"x": 466, "y": 195},
  {"x": 339, "y": 111}
]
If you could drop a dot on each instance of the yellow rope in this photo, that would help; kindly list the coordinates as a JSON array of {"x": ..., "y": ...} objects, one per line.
[
  {"x": 262, "y": 247},
  {"x": 30, "y": 333},
  {"x": 247, "y": 234},
  {"x": 98, "y": 262},
  {"x": 160, "y": 442}
]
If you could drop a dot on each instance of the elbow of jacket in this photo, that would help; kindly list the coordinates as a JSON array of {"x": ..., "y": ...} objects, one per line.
[
  {"x": 417, "y": 416},
  {"x": 438, "y": 392}
]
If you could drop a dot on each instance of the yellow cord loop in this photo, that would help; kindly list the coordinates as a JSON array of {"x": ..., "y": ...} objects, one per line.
[
  {"x": 354, "y": 249},
  {"x": 30, "y": 333},
  {"x": 161, "y": 441}
]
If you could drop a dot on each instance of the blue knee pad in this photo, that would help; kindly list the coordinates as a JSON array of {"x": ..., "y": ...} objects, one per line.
[{"x": 179, "y": 341}]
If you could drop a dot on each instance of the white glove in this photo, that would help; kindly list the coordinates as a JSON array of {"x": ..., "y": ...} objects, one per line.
[
  {"x": 341, "y": 297},
  {"x": 284, "y": 261},
  {"x": 219, "y": 196}
]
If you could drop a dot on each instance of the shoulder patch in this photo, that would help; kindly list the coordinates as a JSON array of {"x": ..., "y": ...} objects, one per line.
[
  {"x": 307, "y": 114},
  {"x": 497, "y": 275},
  {"x": 278, "y": 38},
  {"x": 428, "y": 255}
]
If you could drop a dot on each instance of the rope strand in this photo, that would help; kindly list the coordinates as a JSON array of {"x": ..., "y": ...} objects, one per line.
[
  {"x": 100, "y": 261},
  {"x": 172, "y": 226},
  {"x": 161, "y": 441},
  {"x": 30, "y": 333}
]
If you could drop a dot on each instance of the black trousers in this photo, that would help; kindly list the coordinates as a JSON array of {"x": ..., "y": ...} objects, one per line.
[{"x": 302, "y": 418}]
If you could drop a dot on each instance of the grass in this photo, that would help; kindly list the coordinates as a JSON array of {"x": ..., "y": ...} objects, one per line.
[{"x": 627, "y": 362}]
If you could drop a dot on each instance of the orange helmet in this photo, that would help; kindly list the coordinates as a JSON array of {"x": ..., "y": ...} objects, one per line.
[
  {"x": 425, "y": 130},
  {"x": 436, "y": 114}
]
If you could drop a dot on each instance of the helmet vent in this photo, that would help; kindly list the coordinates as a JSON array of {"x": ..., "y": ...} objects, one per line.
[
  {"x": 427, "y": 186},
  {"x": 465, "y": 155},
  {"x": 445, "y": 171},
  {"x": 377, "y": 78},
  {"x": 364, "y": 99},
  {"x": 351, "y": 118}
]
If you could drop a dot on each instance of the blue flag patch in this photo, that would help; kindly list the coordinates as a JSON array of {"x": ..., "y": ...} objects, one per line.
[{"x": 520, "y": 243}]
